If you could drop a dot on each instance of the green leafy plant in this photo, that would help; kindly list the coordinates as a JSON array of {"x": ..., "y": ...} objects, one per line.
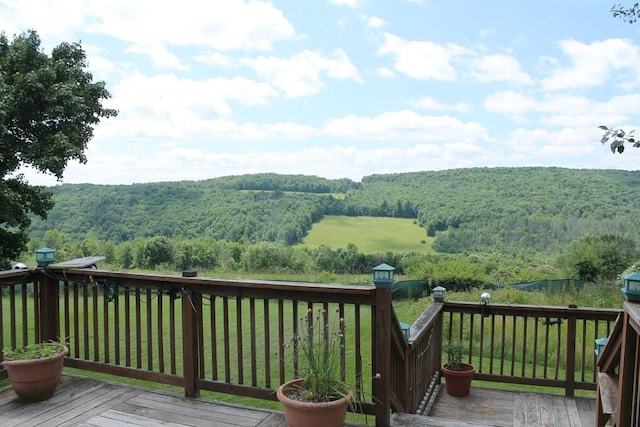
[
  {"x": 320, "y": 344},
  {"x": 35, "y": 351},
  {"x": 455, "y": 353}
]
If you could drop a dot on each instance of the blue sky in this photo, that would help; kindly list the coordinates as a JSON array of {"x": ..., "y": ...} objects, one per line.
[{"x": 344, "y": 88}]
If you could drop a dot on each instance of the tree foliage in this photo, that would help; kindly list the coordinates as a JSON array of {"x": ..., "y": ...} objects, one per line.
[
  {"x": 617, "y": 138},
  {"x": 514, "y": 211},
  {"x": 627, "y": 14},
  {"x": 48, "y": 108},
  {"x": 600, "y": 258}
]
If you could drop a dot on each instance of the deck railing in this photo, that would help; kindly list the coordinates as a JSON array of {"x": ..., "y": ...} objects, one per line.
[
  {"x": 526, "y": 344},
  {"x": 231, "y": 336},
  {"x": 618, "y": 402}
]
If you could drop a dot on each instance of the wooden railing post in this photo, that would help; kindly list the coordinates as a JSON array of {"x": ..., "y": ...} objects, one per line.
[
  {"x": 570, "y": 381},
  {"x": 627, "y": 371},
  {"x": 191, "y": 327},
  {"x": 382, "y": 345},
  {"x": 49, "y": 306}
]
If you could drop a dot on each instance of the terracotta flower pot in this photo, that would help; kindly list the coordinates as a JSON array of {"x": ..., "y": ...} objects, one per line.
[
  {"x": 36, "y": 379},
  {"x": 458, "y": 383},
  {"x": 311, "y": 414}
]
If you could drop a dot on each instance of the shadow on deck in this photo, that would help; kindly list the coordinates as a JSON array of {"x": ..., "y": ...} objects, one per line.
[{"x": 81, "y": 401}]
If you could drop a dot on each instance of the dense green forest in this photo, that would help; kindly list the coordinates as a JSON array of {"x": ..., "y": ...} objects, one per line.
[
  {"x": 505, "y": 210},
  {"x": 497, "y": 225}
]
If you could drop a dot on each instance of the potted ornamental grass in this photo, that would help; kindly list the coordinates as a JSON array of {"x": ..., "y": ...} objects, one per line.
[
  {"x": 319, "y": 397},
  {"x": 35, "y": 369},
  {"x": 458, "y": 374}
]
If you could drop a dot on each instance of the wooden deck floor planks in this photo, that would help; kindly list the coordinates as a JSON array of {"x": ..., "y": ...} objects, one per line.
[
  {"x": 88, "y": 402},
  {"x": 501, "y": 408},
  {"x": 93, "y": 403}
]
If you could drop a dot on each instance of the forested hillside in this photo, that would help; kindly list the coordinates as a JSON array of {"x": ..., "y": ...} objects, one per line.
[{"x": 508, "y": 210}]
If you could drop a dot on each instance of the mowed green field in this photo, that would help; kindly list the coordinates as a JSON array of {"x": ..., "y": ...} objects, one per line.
[{"x": 369, "y": 234}]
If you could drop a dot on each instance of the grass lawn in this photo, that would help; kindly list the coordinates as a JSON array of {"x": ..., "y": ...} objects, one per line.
[{"x": 369, "y": 234}]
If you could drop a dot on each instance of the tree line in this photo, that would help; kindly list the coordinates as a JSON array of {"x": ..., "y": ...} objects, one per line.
[{"x": 506, "y": 210}]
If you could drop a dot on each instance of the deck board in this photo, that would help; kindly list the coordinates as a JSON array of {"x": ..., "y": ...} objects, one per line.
[
  {"x": 88, "y": 402},
  {"x": 490, "y": 407}
]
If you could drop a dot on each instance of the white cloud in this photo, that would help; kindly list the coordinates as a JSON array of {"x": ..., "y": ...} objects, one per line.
[
  {"x": 385, "y": 72},
  {"x": 349, "y": 3},
  {"x": 499, "y": 68},
  {"x": 216, "y": 59},
  {"x": 375, "y": 22},
  {"x": 558, "y": 110},
  {"x": 406, "y": 126},
  {"x": 429, "y": 103},
  {"x": 593, "y": 64},
  {"x": 300, "y": 75},
  {"x": 162, "y": 96},
  {"x": 159, "y": 55},
  {"x": 422, "y": 59},
  {"x": 221, "y": 25}
]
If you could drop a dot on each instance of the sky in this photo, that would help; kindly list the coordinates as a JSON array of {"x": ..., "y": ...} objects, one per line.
[{"x": 344, "y": 88}]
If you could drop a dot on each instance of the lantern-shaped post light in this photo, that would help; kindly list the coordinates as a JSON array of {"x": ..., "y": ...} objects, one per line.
[
  {"x": 438, "y": 293},
  {"x": 45, "y": 256},
  {"x": 631, "y": 287},
  {"x": 600, "y": 344},
  {"x": 485, "y": 302},
  {"x": 383, "y": 275}
]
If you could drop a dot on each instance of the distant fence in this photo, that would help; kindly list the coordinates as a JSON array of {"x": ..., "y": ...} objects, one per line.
[
  {"x": 413, "y": 289},
  {"x": 410, "y": 289},
  {"x": 553, "y": 286}
]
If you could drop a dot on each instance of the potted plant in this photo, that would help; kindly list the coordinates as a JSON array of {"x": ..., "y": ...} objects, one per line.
[
  {"x": 34, "y": 370},
  {"x": 458, "y": 375},
  {"x": 319, "y": 397}
]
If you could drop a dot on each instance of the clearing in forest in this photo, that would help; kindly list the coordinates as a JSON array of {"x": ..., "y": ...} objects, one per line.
[{"x": 369, "y": 234}]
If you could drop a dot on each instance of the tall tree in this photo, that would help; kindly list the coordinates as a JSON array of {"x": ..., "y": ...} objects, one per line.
[{"x": 48, "y": 108}]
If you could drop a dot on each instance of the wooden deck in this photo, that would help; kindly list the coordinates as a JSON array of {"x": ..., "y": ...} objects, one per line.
[
  {"x": 489, "y": 407},
  {"x": 86, "y": 402}
]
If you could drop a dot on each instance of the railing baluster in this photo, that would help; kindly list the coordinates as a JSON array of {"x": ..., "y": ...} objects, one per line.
[
  {"x": 225, "y": 331},
  {"x": 214, "y": 337},
  {"x": 358, "y": 350},
  {"x": 25, "y": 315},
  {"x": 252, "y": 327},
  {"x": 558, "y": 348},
  {"x": 503, "y": 344},
  {"x": 267, "y": 343},
  {"x": 105, "y": 325},
  {"x": 513, "y": 345},
  {"x": 546, "y": 348},
  {"x": 76, "y": 321},
  {"x": 12, "y": 316},
  {"x": 96, "y": 324},
  {"x": 85, "y": 318},
  {"x": 492, "y": 342},
  {"x": 535, "y": 346},
  {"x": 116, "y": 326},
  {"x": 481, "y": 350},
  {"x": 160, "y": 331},
  {"x": 149, "y": 323},
  {"x": 138, "y": 325},
  {"x": 239, "y": 346},
  {"x": 172, "y": 330},
  {"x": 37, "y": 311},
  {"x": 524, "y": 347},
  {"x": 67, "y": 324},
  {"x": 281, "y": 342},
  {"x": 127, "y": 326}
]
